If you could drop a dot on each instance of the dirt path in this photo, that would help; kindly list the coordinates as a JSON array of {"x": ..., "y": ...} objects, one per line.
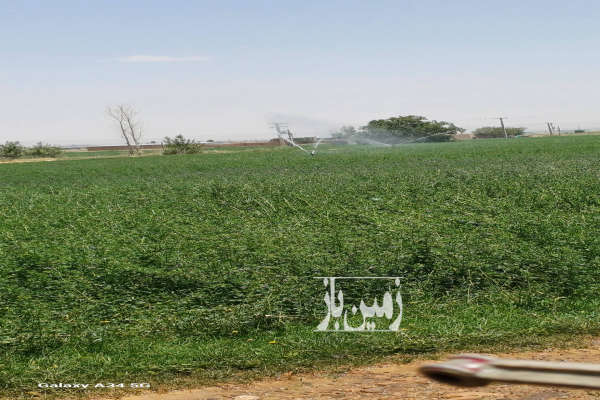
[
  {"x": 24, "y": 160},
  {"x": 389, "y": 381}
]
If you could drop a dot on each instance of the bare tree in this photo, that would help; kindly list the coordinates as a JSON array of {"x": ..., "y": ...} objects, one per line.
[{"x": 131, "y": 128}]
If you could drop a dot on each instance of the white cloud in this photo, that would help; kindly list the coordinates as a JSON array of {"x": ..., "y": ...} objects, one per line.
[{"x": 160, "y": 59}]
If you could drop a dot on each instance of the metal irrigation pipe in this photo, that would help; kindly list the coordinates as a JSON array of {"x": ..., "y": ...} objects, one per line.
[{"x": 477, "y": 370}]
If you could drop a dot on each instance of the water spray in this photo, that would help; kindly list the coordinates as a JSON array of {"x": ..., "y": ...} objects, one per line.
[
  {"x": 370, "y": 142},
  {"x": 317, "y": 144},
  {"x": 283, "y": 131}
]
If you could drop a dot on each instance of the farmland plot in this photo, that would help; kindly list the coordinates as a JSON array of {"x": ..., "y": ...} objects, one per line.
[{"x": 196, "y": 267}]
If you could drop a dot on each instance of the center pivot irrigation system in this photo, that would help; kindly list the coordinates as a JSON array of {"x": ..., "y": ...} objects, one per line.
[{"x": 284, "y": 133}]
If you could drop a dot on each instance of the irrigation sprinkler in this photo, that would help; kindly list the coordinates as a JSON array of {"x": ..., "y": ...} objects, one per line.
[
  {"x": 315, "y": 145},
  {"x": 468, "y": 370},
  {"x": 283, "y": 131},
  {"x": 294, "y": 144}
]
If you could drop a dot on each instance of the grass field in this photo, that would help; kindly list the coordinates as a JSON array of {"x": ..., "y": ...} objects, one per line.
[
  {"x": 173, "y": 269},
  {"x": 74, "y": 154}
]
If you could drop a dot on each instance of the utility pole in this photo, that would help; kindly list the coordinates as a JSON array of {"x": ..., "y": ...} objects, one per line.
[
  {"x": 558, "y": 127},
  {"x": 503, "y": 128}
]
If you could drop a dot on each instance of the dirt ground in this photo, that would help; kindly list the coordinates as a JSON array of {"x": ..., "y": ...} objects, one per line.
[
  {"x": 24, "y": 160},
  {"x": 390, "y": 380}
]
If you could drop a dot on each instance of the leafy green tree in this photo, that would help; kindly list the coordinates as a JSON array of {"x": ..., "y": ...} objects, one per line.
[
  {"x": 488, "y": 132},
  {"x": 410, "y": 128},
  {"x": 11, "y": 150},
  {"x": 180, "y": 145}
]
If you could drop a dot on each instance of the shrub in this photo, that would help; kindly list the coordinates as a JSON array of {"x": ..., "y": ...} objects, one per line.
[
  {"x": 11, "y": 150},
  {"x": 43, "y": 150},
  {"x": 180, "y": 145},
  {"x": 488, "y": 132}
]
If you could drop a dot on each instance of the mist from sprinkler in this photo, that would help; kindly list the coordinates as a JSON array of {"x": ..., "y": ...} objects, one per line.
[
  {"x": 292, "y": 143},
  {"x": 286, "y": 135},
  {"x": 290, "y": 139},
  {"x": 363, "y": 140}
]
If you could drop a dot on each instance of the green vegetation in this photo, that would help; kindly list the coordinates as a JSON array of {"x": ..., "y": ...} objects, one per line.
[
  {"x": 487, "y": 132},
  {"x": 13, "y": 150},
  {"x": 180, "y": 145},
  {"x": 402, "y": 129},
  {"x": 97, "y": 153},
  {"x": 410, "y": 127},
  {"x": 82, "y": 154},
  {"x": 153, "y": 269},
  {"x": 44, "y": 150}
]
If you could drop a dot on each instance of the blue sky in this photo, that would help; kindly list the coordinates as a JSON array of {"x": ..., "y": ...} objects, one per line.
[{"x": 226, "y": 69}]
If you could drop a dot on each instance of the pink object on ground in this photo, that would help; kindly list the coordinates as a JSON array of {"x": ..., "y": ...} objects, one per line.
[{"x": 478, "y": 370}]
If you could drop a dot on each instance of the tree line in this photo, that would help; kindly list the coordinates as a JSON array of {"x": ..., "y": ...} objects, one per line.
[
  {"x": 13, "y": 150},
  {"x": 416, "y": 128},
  {"x": 401, "y": 129}
]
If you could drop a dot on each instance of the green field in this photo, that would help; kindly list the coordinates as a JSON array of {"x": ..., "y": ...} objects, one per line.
[
  {"x": 199, "y": 267},
  {"x": 71, "y": 154}
]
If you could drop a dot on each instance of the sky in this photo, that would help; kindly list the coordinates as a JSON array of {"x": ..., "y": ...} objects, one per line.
[{"x": 225, "y": 70}]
